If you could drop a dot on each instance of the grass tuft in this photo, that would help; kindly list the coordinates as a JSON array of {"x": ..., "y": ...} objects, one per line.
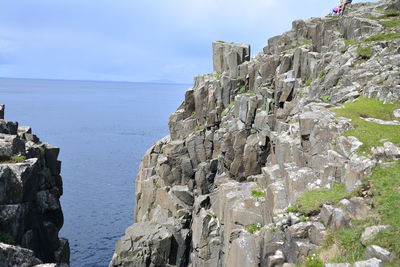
[
  {"x": 257, "y": 194},
  {"x": 311, "y": 202},
  {"x": 365, "y": 52},
  {"x": 252, "y": 228}
]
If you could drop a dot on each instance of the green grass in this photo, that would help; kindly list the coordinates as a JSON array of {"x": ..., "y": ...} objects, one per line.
[
  {"x": 349, "y": 243},
  {"x": 307, "y": 42},
  {"x": 388, "y": 24},
  {"x": 231, "y": 105},
  {"x": 242, "y": 90},
  {"x": 365, "y": 52},
  {"x": 240, "y": 79},
  {"x": 252, "y": 228},
  {"x": 13, "y": 159},
  {"x": 292, "y": 209},
  {"x": 322, "y": 74},
  {"x": 385, "y": 184},
  {"x": 312, "y": 261},
  {"x": 384, "y": 37},
  {"x": 326, "y": 99},
  {"x": 311, "y": 202},
  {"x": 370, "y": 133},
  {"x": 193, "y": 113},
  {"x": 257, "y": 194},
  {"x": 347, "y": 44},
  {"x": 6, "y": 238},
  {"x": 224, "y": 113},
  {"x": 308, "y": 82}
]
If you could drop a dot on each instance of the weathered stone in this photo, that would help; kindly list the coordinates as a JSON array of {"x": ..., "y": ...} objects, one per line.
[
  {"x": 11, "y": 145},
  {"x": 300, "y": 230},
  {"x": 2, "y": 108},
  {"x": 371, "y": 232},
  {"x": 379, "y": 253},
  {"x": 369, "y": 263},
  {"x": 276, "y": 260},
  {"x": 317, "y": 233},
  {"x": 242, "y": 252},
  {"x": 16, "y": 256},
  {"x": 326, "y": 214},
  {"x": 227, "y": 57},
  {"x": 340, "y": 219},
  {"x": 357, "y": 208}
]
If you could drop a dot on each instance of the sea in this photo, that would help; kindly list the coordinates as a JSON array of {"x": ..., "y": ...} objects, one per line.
[{"x": 103, "y": 130}]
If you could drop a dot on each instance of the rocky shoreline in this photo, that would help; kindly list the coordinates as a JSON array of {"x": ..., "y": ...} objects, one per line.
[
  {"x": 30, "y": 191},
  {"x": 259, "y": 140}
]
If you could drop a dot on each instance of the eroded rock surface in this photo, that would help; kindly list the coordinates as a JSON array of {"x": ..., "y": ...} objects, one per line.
[
  {"x": 253, "y": 136},
  {"x": 30, "y": 191}
]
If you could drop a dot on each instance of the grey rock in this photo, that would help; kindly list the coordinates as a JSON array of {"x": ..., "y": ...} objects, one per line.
[
  {"x": 300, "y": 230},
  {"x": 317, "y": 233},
  {"x": 2, "y": 108},
  {"x": 371, "y": 232},
  {"x": 326, "y": 214},
  {"x": 396, "y": 113},
  {"x": 379, "y": 253},
  {"x": 14, "y": 256},
  {"x": 369, "y": 263},
  {"x": 357, "y": 208},
  {"x": 340, "y": 219},
  {"x": 227, "y": 57}
]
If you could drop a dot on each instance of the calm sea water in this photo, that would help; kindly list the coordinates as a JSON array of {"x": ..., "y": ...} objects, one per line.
[{"x": 103, "y": 130}]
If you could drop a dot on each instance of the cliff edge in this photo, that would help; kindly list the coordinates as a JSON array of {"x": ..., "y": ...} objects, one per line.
[
  {"x": 290, "y": 157},
  {"x": 30, "y": 189}
]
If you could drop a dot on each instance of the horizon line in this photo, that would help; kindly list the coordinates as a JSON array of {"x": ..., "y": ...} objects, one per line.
[{"x": 77, "y": 80}]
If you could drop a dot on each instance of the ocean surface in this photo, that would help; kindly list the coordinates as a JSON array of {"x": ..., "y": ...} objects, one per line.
[{"x": 103, "y": 130}]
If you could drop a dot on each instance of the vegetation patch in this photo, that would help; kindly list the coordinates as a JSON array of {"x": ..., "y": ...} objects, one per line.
[
  {"x": 347, "y": 44},
  {"x": 252, "y": 228},
  {"x": 365, "y": 52},
  {"x": 224, "y": 113},
  {"x": 384, "y": 37},
  {"x": 231, "y": 105},
  {"x": 257, "y": 194},
  {"x": 242, "y": 90},
  {"x": 385, "y": 186},
  {"x": 307, "y": 42},
  {"x": 370, "y": 133},
  {"x": 13, "y": 159},
  {"x": 388, "y": 24},
  {"x": 322, "y": 74},
  {"x": 326, "y": 99},
  {"x": 312, "y": 261},
  {"x": 6, "y": 238},
  {"x": 311, "y": 202},
  {"x": 308, "y": 82}
]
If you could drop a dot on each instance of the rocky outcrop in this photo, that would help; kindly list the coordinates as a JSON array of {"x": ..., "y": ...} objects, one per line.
[
  {"x": 30, "y": 189},
  {"x": 253, "y": 136}
]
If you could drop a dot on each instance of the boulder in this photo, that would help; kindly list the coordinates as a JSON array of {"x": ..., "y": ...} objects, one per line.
[
  {"x": 17, "y": 256},
  {"x": 2, "y": 108},
  {"x": 374, "y": 262},
  {"x": 379, "y": 253},
  {"x": 371, "y": 232}
]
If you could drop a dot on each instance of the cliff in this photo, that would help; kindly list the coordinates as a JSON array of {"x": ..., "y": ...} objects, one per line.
[
  {"x": 282, "y": 159},
  {"x": 30, "y": 189}
]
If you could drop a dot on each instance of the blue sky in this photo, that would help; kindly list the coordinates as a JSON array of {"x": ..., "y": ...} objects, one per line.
[{"x": 130, "y": 40}]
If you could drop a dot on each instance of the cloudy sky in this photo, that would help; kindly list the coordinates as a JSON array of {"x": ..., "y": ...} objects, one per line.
[{"x": 131, "y": 40}]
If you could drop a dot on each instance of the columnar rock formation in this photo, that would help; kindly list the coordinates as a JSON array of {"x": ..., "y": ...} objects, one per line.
[
  {"x": 250, "y": 138},
  {"x": 30, "y": 189}
]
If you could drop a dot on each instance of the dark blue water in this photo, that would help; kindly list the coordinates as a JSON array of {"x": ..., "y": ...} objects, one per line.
[{"x": 103, "y": 130}]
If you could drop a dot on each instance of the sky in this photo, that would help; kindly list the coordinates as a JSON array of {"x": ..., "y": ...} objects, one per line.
[{"x": 136, "y": 41}]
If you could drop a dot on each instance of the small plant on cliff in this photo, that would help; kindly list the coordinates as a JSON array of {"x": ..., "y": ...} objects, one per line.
[
  {"x": 224, "y": 113},
  {"x": 257, "y": 194},
  {"x": 252, "y": 228},
  {"x": 6, "y": 238},
  {"x": 312, "y": 261},
  {"x": 308, "y": 82},
  {"x": 365, "y": 52},
  {"x": 292, "y": 209},
  {"x": 231, "y": 105},
  {"x": 253, "y": 131},
  {"x": 13, "y": 159},
  {"x": 240, "y": 79},
  {"x": 326, "y": 99},
  {"x": 242, "y": 90},
  {"x": 322, "y": 74}
]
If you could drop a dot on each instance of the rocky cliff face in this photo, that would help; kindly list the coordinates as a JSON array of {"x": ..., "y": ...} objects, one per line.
[
  {"x": 250, "y": 139},
  {"x": 30, "y": 189}
]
